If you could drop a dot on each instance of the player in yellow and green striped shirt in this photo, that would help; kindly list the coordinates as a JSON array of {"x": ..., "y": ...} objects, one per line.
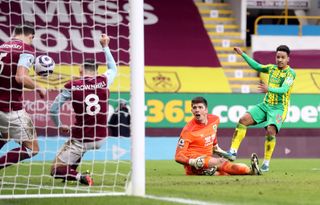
[{"x": 273, "y": 110}]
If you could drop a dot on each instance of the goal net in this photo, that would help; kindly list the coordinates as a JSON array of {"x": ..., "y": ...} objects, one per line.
[{"x": 69, "y": 32}]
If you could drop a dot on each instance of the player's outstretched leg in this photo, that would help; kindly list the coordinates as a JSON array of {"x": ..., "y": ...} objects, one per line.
[
  {"x": 255, "y": 170},
  {"x": 238, "y": 135}
]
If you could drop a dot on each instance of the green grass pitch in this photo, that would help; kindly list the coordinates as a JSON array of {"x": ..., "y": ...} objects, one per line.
[{"x": 290, "y": 181}]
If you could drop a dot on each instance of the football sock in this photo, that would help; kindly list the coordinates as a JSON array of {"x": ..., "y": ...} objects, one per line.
[
  {"x": 13, "y": 156},
  {"x": 64, "y": 172},
  {"x": 234, "y": 168},
  {"x": 269, "y": 144},
  {"x": 238, "y": 136}
]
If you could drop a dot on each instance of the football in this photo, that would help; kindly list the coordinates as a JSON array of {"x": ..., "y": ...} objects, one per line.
[{"x": 44, "y": 65}]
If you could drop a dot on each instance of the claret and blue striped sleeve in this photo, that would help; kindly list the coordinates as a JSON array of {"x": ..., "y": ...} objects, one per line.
[
  {"x": 64, "y": 96},
  {"x": 112, "y": 69}
]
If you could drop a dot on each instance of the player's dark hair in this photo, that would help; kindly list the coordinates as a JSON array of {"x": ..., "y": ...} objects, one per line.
[
  {"x": 90, "y": 64},
  {"x": 25, "y": 29},
  {"x": 283, "y": 48},
  {"x": 199, "y": 100}
]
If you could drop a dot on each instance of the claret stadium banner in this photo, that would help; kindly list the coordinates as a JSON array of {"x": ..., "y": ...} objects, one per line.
[
  {"x": 69, "y": 31},
  {"x": 165, "y": 110}
]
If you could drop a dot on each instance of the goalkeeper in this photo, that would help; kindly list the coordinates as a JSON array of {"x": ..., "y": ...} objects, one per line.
[
  {"x": 89, "y": 96},
  {"x": 198, "y": 143}
]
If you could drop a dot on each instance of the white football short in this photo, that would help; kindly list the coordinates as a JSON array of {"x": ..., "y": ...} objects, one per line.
[
  {"x": 73, "y": 150},
  {"x": 18, "y": 124}
]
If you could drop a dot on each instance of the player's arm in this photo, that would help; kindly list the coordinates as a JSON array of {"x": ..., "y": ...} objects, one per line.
[
  {"x": 112, "y": 69},
  {"x": 182, "y": 152},
  {"x": 64, "y": 96},
  {"x": 251, "y": 62},
  {"x": 22, "y": 75}
]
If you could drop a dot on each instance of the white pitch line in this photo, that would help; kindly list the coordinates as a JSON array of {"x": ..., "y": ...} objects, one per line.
[
  {"x": 315, "y": 169},
  {"x": 180, "y": 200}
]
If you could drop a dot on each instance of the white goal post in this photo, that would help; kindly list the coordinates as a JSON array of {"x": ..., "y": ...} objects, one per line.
[
  {"x": 137, "y": 99},
  {"x": 69, "y": 32}
]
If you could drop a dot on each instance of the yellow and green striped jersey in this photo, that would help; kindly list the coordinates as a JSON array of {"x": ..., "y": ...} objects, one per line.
[{"x": 280, "y": 82}]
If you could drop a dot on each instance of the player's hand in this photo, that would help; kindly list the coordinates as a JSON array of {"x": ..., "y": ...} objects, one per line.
[
  {"x": 64, "y": 129},
  {"x": 238, "y": 50},
  {"x": 104, "y": 40},
  {"x": 263, "y": 87},
  {"x": 198, "y": 162},
  {"x": 42, "y": 92}
]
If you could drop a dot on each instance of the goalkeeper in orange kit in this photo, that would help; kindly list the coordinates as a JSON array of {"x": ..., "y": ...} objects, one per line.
[{"x": 198, "y": 143}]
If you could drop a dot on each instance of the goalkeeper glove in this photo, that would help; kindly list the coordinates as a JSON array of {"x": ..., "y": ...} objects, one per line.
[{"x": 198, "y": 162}]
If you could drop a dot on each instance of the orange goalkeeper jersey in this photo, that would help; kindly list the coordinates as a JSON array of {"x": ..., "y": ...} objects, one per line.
[{"x": 197, "y": 140}]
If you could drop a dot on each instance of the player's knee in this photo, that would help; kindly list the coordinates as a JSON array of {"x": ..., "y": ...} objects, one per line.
[
  {"x": 216, "y": 162},
  {"x": 246, "y": 120},
  {"x": 222, "y": 160},
  {"x": 271, "y": 130}
]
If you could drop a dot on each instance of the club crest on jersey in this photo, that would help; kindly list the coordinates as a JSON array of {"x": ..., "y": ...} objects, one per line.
[
  {"x": 289, "y": 81},
  {"x": 181, "y": 143},
  {"x": 214, "y": 127},
  {"x": 279, "y": 119}
]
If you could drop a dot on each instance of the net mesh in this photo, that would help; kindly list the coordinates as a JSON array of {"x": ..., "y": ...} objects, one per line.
[{"x": 69, "y": 32}]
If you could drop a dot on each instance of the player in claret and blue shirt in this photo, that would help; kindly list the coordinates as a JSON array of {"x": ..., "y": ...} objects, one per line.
[
  {"x": 273, "y": 110},
  {"x": 16, "y": 59},
  {"x": 89, "y": 96}
]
